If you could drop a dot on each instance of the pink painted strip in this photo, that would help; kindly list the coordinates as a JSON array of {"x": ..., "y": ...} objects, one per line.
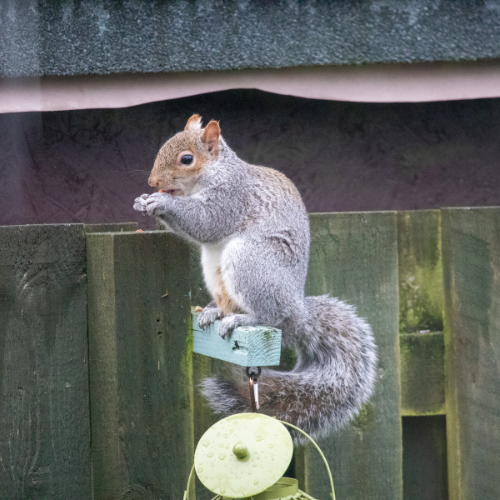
[{"x": 376, "y": 83}]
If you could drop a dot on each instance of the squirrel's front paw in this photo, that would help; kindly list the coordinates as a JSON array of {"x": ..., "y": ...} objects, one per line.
[
  {"x": 140, "y": 204},
  {"x": 155, "y": 204},
  {"x": 208, "y": 316}
]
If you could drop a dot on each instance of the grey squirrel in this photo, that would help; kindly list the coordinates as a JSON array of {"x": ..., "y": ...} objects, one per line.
[{"x": 253, "y": 230}]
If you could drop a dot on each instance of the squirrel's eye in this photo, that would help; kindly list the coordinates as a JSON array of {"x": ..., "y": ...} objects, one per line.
[{"x": 187, "y": 159}]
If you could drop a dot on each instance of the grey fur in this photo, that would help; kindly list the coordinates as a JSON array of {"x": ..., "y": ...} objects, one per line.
[{"x": 257, "y": 216}]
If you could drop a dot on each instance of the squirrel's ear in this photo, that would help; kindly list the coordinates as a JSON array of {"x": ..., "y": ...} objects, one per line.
[
  {"x": 211, "y": 134},
  {"x": 194, "y": 123}
]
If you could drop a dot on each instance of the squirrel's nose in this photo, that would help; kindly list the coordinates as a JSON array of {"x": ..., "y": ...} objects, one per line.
[{"x": 153, "y": 181}]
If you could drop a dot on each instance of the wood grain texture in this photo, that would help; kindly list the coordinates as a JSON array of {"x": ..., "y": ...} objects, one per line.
[
  {"x": 422, "y": 374},
  {"x": 354, "y": 257},
  {"x": 140, "y": 365},
  {"x": 44, "y": 400},
  {"x": 247, "y": 346},
  {"x": 471, "y": 258},
  {"x": 118, "y": 227}
]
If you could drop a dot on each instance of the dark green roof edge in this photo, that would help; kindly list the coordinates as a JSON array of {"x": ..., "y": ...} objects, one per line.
[{"x": 71, "y": 37}]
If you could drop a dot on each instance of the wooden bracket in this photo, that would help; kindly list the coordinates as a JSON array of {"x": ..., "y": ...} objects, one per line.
[{"x": 247, "y": 345}]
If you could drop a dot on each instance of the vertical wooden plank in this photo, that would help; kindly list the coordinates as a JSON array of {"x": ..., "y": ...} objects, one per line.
[
  {"x": 421, "y": 294},
  {"x": 471, "y": 266},
  {"x": 421, "y": 300},
  {"x": 140, "y": 364},
  {"x": 44, "y": 406},
  {"x": 354, "y": 257}
]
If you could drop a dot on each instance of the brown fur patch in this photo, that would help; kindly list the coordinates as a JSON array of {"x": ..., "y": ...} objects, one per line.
[
  {"x": 168, "y": 173},
  {"x": 222, "y": 297}
]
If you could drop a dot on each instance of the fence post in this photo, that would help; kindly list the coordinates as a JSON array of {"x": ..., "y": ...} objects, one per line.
[
  {"x": 354, "y": 257},
  {"x": 471, "y": 268},
  {"x": 140, "y": 364},
  {"x": 44, "y": 399}
]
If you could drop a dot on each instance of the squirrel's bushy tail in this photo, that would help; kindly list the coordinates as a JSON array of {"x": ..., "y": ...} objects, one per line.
[{"x": 333, "y": 377}]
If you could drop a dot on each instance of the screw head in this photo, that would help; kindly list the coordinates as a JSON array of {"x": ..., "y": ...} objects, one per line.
[{"x": 240, "y": 450}]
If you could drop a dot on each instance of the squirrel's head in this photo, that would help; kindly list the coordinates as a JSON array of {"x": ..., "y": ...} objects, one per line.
[{"x": 181, "y": 159}]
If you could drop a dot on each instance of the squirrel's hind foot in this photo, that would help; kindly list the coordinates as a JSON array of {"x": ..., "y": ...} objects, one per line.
[
  {"x": 228, "y": 324},
  {"x": 232, "y": 321}
]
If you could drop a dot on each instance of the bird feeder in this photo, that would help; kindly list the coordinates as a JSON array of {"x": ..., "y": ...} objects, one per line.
[{"x": 244, "y": 456}]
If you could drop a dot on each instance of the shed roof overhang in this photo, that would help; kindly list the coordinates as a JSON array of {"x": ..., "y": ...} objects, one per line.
[
  {"x": 70, "y": 55},
  {"x": 65, "y": 37}
]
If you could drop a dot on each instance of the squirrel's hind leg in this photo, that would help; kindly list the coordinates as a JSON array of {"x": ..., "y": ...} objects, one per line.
[{"x": 232, "y": 321}]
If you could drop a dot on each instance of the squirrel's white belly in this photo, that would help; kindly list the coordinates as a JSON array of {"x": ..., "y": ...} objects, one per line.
[
  {"x": 217, "y": 270},
  {"x": 210, "y": 262}
]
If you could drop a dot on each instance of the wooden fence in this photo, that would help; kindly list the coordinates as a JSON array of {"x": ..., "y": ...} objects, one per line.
[{"x": 97, "y": 370}]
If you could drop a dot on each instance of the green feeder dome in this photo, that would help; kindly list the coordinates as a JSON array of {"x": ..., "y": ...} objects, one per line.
[{"x": 245, "y": 456}]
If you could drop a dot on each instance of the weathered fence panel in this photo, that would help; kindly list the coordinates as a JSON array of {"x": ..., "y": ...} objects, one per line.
[
  {"x": 421, "y": 300},
  {"x": 471, "y": 260},
  {"x": 44, "y": 398},
  {"x": 354, "y": 257},
  {"x": 136, "y": 347},
  {"x": 140, "y": 365}
]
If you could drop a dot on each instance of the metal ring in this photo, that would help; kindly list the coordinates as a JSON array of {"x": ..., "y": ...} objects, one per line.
[{"x": 254, "y": 376}]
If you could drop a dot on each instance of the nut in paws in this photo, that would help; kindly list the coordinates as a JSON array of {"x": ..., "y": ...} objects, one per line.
[{"x": 155, "y": 204}]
